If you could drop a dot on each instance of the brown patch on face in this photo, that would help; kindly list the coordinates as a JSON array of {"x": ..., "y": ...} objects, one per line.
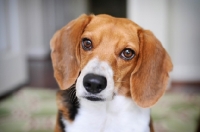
[{"x": 110, "y": 36}]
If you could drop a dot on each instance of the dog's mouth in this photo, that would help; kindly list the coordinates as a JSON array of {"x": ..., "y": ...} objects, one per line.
[{"x": 93, "y": 98}]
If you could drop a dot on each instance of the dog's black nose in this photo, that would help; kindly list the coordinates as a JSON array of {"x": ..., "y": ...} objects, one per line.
[{"x": 94, "y": 83}]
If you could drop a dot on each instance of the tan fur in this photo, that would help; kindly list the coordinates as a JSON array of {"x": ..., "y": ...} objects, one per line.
[
  {"x": 61, "y": 104},
  {"x": 144, "y": 78},
  {"x": 65, "y": 51},
  {"x": 148, "y": 83},
  {"x": 57, "y": 126}
]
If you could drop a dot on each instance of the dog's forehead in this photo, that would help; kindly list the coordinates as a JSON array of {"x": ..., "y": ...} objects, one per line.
[
  {"x": 102, "y": 22},
  {"x": 110, "y": 36},
  {"x": 107, "y": 28}
]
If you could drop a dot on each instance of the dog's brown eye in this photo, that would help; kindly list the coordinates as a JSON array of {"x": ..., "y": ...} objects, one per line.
[
  {"x": 87, "y": 44},
  {"x": 127, "y": 54}
]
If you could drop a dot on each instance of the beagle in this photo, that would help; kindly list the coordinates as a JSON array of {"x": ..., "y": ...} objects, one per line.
[{"x": 110, "y": 71}]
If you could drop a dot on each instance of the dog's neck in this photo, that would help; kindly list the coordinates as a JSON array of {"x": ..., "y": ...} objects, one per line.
[{"x": 119, "y": 115}]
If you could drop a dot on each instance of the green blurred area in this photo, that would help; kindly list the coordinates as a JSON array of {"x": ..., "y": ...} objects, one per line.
[{"x": 34, "y": 110}]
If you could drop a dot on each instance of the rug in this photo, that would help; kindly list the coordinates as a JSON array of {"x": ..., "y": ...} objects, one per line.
[
  {"x": 28, "y": 110},
  {"x": 34, "y": 110}
]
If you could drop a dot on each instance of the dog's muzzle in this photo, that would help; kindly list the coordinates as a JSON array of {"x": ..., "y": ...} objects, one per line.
[{"x": 94, "y": 84}]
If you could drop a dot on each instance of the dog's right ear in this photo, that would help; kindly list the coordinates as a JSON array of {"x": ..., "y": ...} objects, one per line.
[
  {"x": 65, "y": 51},
  {"x": 149, "y": 82}
]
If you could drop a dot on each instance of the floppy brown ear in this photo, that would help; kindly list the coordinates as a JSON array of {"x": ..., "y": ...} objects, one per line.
[
  {"x": 65, "y": 51},
  {"x": 149, "y": 82}
]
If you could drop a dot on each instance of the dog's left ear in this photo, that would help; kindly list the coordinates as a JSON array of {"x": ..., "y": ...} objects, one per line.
[
  {"x": 149, "y": 81},
  {"x": 65, "y": 51}
]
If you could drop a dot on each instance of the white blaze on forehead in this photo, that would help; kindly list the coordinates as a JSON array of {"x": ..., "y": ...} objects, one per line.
[
  {"x": 95, "y": 66},
  {"x": 98, "y": 67}
]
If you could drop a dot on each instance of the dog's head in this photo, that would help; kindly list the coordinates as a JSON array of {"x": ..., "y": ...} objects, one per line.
[{"x": 105, "y": 56}]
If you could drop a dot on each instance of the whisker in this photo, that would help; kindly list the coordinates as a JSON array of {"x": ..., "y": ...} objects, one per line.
[
  {"x": 116, "y": 75},
  {"x": 121, "y": 82}
]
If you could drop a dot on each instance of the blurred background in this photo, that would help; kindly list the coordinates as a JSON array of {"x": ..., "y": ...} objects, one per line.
[{"x": 26, "y": 27}]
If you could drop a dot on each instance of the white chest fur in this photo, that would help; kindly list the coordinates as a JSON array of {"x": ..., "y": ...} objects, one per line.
[{"x": 119, "y": 115}]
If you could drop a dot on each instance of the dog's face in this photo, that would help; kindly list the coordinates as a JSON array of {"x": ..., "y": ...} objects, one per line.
[
  {"x": 108, "y": 56},
  {"x": 109, "y": 50}
]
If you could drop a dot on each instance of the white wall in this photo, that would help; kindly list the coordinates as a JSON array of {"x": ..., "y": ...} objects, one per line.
[
  {"x": 13, "y": 66},
  {"x": 43, "y": 17},
  {"x": 176, "y": 25},
  {"x": 26, "y": 27},
  {"x": 152, "y": 15},
  {"x": 185, "y": 39}
]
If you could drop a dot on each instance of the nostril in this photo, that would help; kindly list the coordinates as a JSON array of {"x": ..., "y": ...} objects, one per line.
[
  {"x": 87, "y": 84},
  {"x": 99, "y": 86},
  {"x": 94, "y": 83}
]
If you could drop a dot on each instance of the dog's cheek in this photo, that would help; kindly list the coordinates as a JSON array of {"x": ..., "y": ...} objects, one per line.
[
  {"x": 85, "y": 57},
  {"x": 79, "y": 86},
  {"x": 122, "y": 73}
]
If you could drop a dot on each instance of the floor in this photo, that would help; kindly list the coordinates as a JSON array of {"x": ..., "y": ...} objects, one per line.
[{"x": 36, "y": 109}]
